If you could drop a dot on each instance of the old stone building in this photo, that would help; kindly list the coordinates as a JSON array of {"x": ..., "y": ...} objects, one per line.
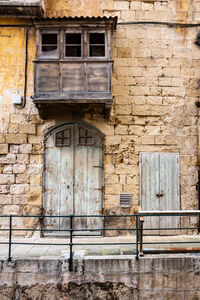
[{"x": 99, "y": 107}]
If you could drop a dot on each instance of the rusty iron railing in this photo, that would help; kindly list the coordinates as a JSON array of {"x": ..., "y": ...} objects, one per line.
[{"x": 138, "y": 230}]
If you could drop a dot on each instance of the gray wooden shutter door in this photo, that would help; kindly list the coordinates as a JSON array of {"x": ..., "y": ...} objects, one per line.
[
  {"x": 73, "y": 179},
  {"x": 159, "y": 175},
  {"x": 58, "y": 182}
]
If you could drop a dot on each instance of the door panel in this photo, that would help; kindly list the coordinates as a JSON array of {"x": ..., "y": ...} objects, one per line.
[
  {"x": 159, "y": 189},
  {"x": 58, "y": 183},
  {"x": 73, "y": 177},
  {"x": 169, "y": 187},
  {"x": 150, "y": 187},
  {"x": 88, "y": 182}
]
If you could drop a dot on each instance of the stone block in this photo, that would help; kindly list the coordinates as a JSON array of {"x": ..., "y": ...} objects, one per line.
[
  {"x": 7, "y": 178},
  {"x": 128, "y": 15},
  {"x": 14, "y": 148},
  {"x": 7, "y": 169},
  {"x": 13, "y": 128},
  {"x": 34, "y": 169},
  {"x": 19, "y": 189},
  {"x": 20, "y": 199},
  {"x": 4, "y": 189},
  {"x": 35, "y": 195},
  {"x": 22, "y": 178},
  {"x": 113, "y": 189},
  {"x": 124, "y": 52},
  {"x": 3, "y": 148},
  {"x": 141, "y": 110},
  {"x": 16, "y": 138},
  {"x": 121, "y": 129},
  {"x": 136, "y": 130},
  {"x": 113, "y": 140},
  {"x": 5, "y": 199},
  {"x": 123, "y": 109},
  {"x": 18, "y": 118},
  {"x": 148, "y": 140},
  {"x": 7, "y": 159},
  {"x": 2, "y": 138},
  {"x": 154, "y": 100},
  {"x": 27, "y": 128},
  {"x": 25, "y": 279},
  {"x": 139, "y": 100},
  {"x": 11, "y": 209},
  {"x": 49, "y": 266},
  {"x": 36, "y": 179},
  {"x": 135, "y": 5},
  {"x": 19, "y": 168},
  {"x": 26, "y": 148},
  {"x": 7, "y": 279},
  {"x": 121, "y": 5},
  {"x": 26, "y": 266},
  {"x": 36, "y": 159},
  {"x": 22, "y": 158},
  {"x": 34, "y": 139}
]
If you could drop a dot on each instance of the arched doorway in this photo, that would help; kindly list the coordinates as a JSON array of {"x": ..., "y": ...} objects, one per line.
[{"x": 73, "y": 177}]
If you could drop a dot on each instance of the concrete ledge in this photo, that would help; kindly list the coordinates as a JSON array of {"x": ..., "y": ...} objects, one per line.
[
  {"x": 120, "y": 277},
  {"x": 21, "y": 8}
]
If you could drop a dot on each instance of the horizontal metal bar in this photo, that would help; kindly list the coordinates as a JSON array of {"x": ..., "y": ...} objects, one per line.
[
  {"x": 99, "y": 229},
  {"x": 67, "y": 244},
  {"x": 172, "y": 242},
  {"x": 67, "y": 216},
  {"x": 170, "y": 228},
  {"x": 67, "y": 230},
  {"x": 141, "y": 213},
  {"x": 170, "y": 213}
]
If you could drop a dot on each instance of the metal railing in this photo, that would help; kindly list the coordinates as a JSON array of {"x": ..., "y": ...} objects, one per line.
[
  {"x": 70, "y": 230},
  {"x": 138, "y": 228}
]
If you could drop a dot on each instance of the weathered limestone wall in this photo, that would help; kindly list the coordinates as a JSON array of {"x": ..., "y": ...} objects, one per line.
[
  {"x": 175, "y": 277},
  {"x": 155, "y": 87}
]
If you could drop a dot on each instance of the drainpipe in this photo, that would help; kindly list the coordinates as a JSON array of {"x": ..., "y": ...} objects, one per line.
[{"x": 27, "y": 27}]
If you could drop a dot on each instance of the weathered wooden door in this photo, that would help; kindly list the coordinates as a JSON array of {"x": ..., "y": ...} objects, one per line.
[
  {"x": 159, "y": 189},
  {"x": 73, "y": 177}
]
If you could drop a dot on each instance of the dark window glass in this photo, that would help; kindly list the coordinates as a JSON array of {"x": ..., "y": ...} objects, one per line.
[
  {"x": 73, "y": 38},
  {"x": 49, "y": 44},
  {"x": 85, "y": 137},
  {"x": 49, "y": 38},
  {"x": 63, "y": 138},
  {"x": 97, "y": 38},
  {"x": 97, "y": 44},
  {"x": 73, "y": 45}
]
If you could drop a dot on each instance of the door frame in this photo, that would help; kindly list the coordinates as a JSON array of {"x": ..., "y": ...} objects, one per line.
[{"x": 52, "y": 131}]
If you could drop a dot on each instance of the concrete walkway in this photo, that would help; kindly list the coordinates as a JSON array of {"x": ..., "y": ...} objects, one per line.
[{"x": 43, "y": 251}]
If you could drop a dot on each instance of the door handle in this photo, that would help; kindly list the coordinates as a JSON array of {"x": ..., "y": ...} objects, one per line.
[{"x": 159, "y": 195}]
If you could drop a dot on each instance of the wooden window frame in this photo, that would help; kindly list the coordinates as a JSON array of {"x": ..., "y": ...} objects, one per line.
[
  {"x": 61, "y": 43},
  {"x": 39, "y": 45},
  {"x": 64, "y": 45},
  {"x": 105, "y": 45}
]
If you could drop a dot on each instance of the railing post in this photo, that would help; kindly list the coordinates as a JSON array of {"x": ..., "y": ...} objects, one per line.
[
  {"x": 141, "y": 221},
  {"x": 137, "y": 237},
  {"x": 10, "y": 239},
  {"x": 71, "y": 244}
]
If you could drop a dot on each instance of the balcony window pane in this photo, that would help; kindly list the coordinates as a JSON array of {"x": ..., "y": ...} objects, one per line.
[
  {"x": 97, "y": 44},
  {"x": 73, "y": 45},
  {"x": 49, "y": 45}
]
